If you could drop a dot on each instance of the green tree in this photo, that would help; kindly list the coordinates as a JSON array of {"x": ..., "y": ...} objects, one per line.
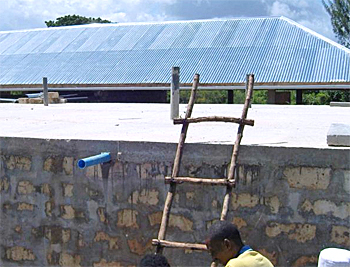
[
  {"x": 74, "y": 20},
  {"x": 339, "y": 10}
]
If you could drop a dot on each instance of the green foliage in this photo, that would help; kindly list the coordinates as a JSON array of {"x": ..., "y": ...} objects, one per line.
[
  {"x": 339, "y": 10},
  {"x": 74, "y": 20},
  {"x": 324, "y": 97}
]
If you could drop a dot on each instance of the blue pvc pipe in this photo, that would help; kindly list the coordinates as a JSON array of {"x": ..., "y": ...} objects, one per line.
[{"x": 93, "y": 160}]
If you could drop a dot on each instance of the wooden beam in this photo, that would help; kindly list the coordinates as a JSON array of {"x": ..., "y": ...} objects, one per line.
[
  {"x": 214, "y": 119},
  {"x": 170, "y": 244},
  {"x": 192, "y": 180}
]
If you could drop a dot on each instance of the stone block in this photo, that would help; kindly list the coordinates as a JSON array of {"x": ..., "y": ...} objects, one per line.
[
  {"x": 67, "y": 212},
  {"x": 18, "y": 162},
  {"x": 104, "y": 263},
  {"x": 69, "y": 260},
  {"x": 306, "y": 261},
  {"x": 139, "y": 248},
  {"x": 25, "y": 188},
  {"x": 94, "y": 172},
  {"x": 53, "y": 164},
  {"x": 127, "y": 218},
  {"x": 47, "y": 190},
  {"x": 19, "y": 254},
  {"x": 273, "y": 203},
  {"x": 102, "y": 215},
  {"x": 148, "y": 197},
  {"x": 308, "y": 177},
  {"x": 239, "y": 222},
  {"x": 340, "y": 235},
  {"x": 326, "y": 207},
  {"x": 68, "y": 165},
  {"x": 298, "y": 232},
  {"x": 4, "y": 184},
  {"x": 112, "y": 241},
  {"x": 338, "y": 135},
  {"x": 67, "y": 190},
  {"x": 178, "y": 221},
  {"x": 25, "y": 206},
  {"x": 244, "y": 200},
  {"x": 49, "y": 206}
]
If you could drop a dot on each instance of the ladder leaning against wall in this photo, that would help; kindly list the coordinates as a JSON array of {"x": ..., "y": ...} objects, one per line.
[{"x": 229, "y": 181}]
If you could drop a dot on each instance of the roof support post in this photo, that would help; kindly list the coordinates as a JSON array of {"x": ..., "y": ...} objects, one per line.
[
  {"x": 299, "y": 98},
  {"x": 46, "y": 94},
  {"x": 230, "y": 97},
  {"x": 175, "y": 92},
  {"x": 271, "y": 96}
]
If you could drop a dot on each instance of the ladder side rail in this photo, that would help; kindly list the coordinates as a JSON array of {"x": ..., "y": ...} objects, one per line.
[{"x": 176, "y": 168}]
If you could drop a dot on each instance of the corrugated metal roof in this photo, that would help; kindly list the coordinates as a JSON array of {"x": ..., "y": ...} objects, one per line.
[{"x": 277, "y": 50}]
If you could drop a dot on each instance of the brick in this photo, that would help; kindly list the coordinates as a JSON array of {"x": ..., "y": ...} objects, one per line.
[
  {"x": 298, "y": 232},
  {"x": 25, "y": 206},
  {"x": 127, "y": 218},
  {"x": 25, "y": 188},
  {"x": 244, "y": 200},
  {"x": 148, "y": 197},
  {"x": 104, "y": 263},
  {"x": 4, "y": 184},
  {"x": 19, "y": 254},
  {"x": 112, "y": 241},
  {"x": 67, "y": 190},
  {"x": 340, "y": 235},
  {"x": 239, "y": 222},
  {"x": 308, "y": 177},
  {"x": 67, "y": 212},
  {"x": 118, "y": 170},
  {"x": 18, "y": 162},
  {"x": 325, "y": 207},
  {"x": 306, "y": 261},
  {"x": 139, "y": 248},
  {"x": 53, "y": 164},
  {"x": 178, "y": 221},
  {"x": 69, "y": 260},
  {"x": 68, "y": 165}
]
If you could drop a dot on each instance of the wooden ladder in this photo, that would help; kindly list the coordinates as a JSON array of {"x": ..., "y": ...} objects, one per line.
[{"x": 229, "y": 182}]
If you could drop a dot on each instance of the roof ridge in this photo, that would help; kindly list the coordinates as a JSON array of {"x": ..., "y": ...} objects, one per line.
[{"x": 117, "y": 24}]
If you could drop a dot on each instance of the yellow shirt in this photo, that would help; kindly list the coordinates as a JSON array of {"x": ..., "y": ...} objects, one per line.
[{"x": 249, "y": 258}]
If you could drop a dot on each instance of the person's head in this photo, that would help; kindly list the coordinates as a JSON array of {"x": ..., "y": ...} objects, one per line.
[
  {"x": 224, "y": 241},
  {"x": 154, "y": 260}
]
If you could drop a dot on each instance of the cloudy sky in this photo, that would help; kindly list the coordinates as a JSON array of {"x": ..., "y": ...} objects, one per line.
[{"x": 27, "y": 14}]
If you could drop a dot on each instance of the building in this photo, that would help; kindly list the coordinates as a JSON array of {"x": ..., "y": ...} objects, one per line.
[{"x": 127, "y": 57}]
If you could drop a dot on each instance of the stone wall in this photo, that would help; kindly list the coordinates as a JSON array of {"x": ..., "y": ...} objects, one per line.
[{"x": 289, "y": 202}]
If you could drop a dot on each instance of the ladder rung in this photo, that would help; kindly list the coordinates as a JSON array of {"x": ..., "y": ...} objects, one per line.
[
  {"x": 215, "y": 118},
  {"x": 205, "y": 181},
  {"x": 171, "y": 244}
]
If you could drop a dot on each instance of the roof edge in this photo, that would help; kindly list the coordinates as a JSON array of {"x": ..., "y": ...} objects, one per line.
[{"x": 326, "y": 39}]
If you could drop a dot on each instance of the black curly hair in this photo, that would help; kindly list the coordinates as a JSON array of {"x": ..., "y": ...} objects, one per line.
[{"x": 154, "y": 260}]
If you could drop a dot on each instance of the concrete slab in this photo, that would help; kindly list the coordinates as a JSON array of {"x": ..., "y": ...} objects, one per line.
[
  {"x": 275, "y": 125},
  {"x": 338, "y": 135}
]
